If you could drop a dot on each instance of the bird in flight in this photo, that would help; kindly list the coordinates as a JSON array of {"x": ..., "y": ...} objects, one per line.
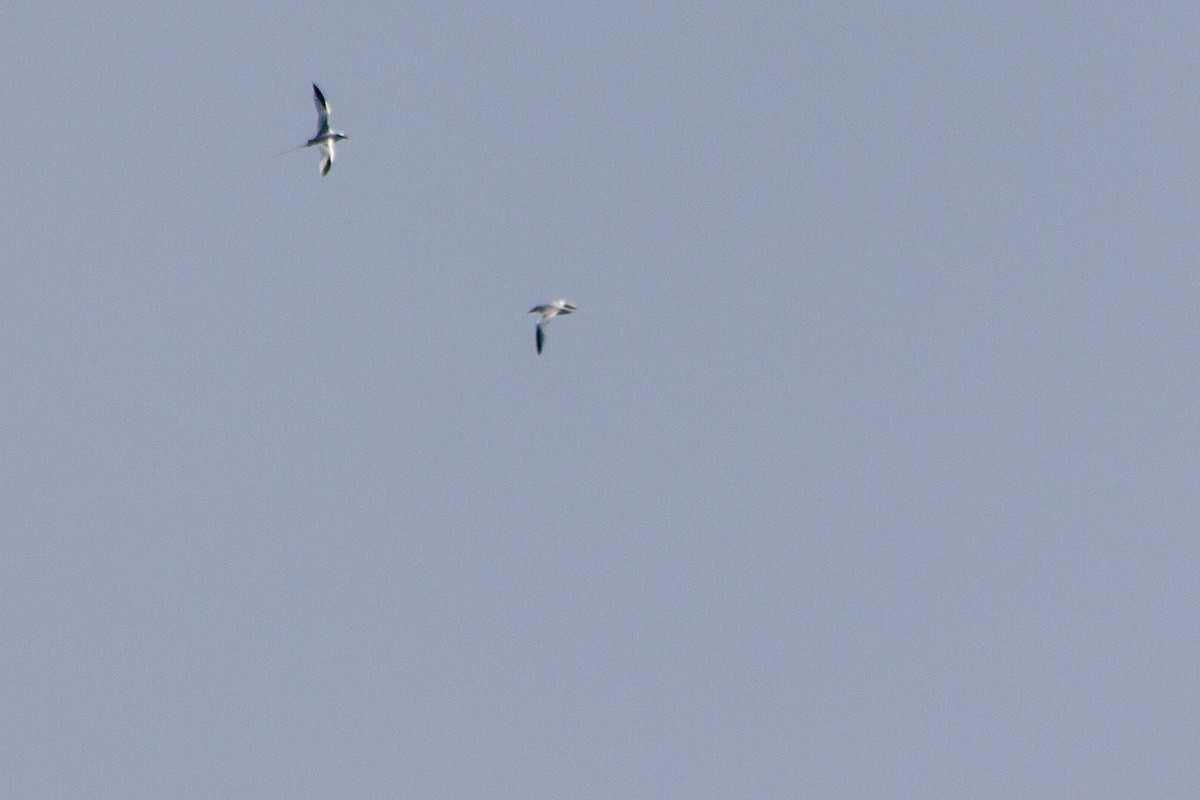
[
  {"x": 549, "y": 312},
  {"x": 325, "y": 137}
]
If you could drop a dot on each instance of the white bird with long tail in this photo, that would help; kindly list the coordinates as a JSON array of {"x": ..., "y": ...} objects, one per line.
[
  {"x": 548, "y": 312},
  {"x": 326, "y": 137}
]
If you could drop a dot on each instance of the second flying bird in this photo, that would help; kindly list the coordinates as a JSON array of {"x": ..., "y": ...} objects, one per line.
[{"x": 549, "y": 312}]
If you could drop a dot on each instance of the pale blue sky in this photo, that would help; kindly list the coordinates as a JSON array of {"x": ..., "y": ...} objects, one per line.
[{"x": 868, "y": 467}]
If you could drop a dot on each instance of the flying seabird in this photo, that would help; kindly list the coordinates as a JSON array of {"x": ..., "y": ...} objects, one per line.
[
  {"x": 548, "y": 312},
  {"x": 325, "y": 137}
]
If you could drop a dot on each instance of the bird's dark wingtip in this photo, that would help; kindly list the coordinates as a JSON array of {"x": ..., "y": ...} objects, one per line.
[{"x": 541, "y": 337}]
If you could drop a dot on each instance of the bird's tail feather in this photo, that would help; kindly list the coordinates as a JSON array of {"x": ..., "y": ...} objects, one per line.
[{"x": 291, "y": 150}]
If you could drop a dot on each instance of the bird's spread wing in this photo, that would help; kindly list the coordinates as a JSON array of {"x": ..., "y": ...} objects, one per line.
[
  {"x": 541, "y": 337},
  {"x": 327, "y": 153},
  {"x": 322, "y": 110}
]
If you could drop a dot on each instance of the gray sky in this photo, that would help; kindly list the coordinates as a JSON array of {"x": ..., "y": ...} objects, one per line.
[{"x": 868, "y": 467}]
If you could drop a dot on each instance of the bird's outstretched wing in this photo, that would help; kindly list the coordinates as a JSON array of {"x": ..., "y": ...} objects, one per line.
[
  {"x": 327, "y": 153},
  {"x": 322, "y": 110}
]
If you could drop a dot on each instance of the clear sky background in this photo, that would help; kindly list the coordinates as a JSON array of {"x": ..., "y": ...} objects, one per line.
[{"x": 868, "y": 467}]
